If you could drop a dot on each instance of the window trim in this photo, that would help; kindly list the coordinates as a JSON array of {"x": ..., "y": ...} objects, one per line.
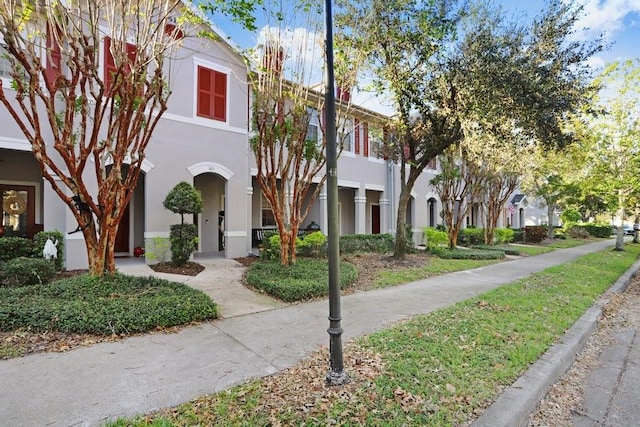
[{"x": 263, "y": 199}]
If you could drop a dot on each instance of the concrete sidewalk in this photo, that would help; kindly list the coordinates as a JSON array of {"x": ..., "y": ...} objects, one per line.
[{"x": 88, "y": 386}]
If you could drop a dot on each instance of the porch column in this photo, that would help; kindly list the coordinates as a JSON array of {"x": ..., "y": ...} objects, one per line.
[
  {"x": 361, "y": 211},
  {"x": 385, "y": 217}
]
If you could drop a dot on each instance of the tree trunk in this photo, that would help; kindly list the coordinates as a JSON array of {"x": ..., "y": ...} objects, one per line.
[
  {"x": 551, "y": 207},
  {"x": 635, "y": 228},
  {"x": 401, "y": 223}
]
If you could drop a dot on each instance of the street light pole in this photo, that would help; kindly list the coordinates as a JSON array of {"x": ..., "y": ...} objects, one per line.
[{"x": 336, "y": 374}]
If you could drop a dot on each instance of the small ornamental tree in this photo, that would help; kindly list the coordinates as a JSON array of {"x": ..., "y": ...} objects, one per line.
[{"x": 183, "y": 199}]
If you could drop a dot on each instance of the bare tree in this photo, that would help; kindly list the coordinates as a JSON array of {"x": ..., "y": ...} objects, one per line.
[{"x": 89, "y": 130}]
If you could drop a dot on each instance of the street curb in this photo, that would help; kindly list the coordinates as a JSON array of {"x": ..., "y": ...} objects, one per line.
[{"x": 517, "y": 402}]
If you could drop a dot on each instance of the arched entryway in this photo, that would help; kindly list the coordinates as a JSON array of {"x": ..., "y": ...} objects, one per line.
[
  {"x": 210, "y": 179},
  {"x": 132, "y": 225},
  {"x": 432, "y": 212}
]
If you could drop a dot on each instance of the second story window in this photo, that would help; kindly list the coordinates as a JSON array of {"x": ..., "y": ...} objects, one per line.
[
  {"x": 212, "y": 94},
  {"x": 5, "y": 65},
  {"x": 345, "y": 136},
  {"x": 110, "y": 67},
  {"x": 313, "y": 130}
]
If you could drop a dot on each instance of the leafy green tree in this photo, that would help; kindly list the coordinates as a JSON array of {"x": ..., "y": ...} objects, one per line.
[
  {"x": 85, "y": 126},
  {"x": 526, "y": 75},
  {"x": 613, "y": 139}
]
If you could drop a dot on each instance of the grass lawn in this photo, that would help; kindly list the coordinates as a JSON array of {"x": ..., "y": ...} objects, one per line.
[{"x": 437, "y": 369}]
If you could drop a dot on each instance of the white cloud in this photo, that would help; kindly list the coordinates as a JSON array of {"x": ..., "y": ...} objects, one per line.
[{"x": 605, "y": 17}]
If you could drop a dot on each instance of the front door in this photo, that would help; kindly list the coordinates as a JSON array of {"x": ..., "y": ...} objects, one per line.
[
  {"x": 375, "y": 219},
  {"x": 18, "y": 210},
  {"x": 121, "y": 246}
]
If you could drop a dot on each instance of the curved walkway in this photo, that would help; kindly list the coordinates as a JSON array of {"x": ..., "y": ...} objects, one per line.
[{"x": 88, "y": 386}]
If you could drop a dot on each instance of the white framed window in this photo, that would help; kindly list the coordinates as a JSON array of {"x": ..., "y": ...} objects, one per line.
[
  {"x": 5, "y": 65},
  {"x": 313, "y": 130},
  {"x": 268, "y": 219},
  {"x": 375, "y": 144},
  {"x": 345, "y": 136}
]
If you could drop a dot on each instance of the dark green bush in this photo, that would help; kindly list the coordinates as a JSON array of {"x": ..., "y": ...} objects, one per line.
[
  {"x": 23, "y": 271},
  {"x": 411, "y": 245},
  {"x": 184, "y": 241},
  {"x": 377, "y": 243},
  {"x": 307, "y": 278},
  {"x": 471, "y": 236},
  {"x": 39, "y": 241},
  {"x": 13, "y": 247},
  {"x": 597, "y": 230},
  {"x": 535, "y": 233},
  {"x": 518, "y": 235},
  {"x": 507, "y": 249},
  {"x": 114, "y": 304},
  {"x": 468, "y": 254}
]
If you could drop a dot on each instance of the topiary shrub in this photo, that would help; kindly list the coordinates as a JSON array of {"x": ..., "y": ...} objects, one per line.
[
  {"x": 507, "y": 249},
  {"x": 434, "y": 238},
  {"x": 182, "y": 199},
  {"x": 504, "y": 235},
  {"x": 535, "y": 233},
  {"x": 56, "y": 236},
  {"x": 184, "y": 241},
  {"x": 24, "y": 271},
  {"x": 518, "y": 235},
  {"x": 13, "y": 247}
]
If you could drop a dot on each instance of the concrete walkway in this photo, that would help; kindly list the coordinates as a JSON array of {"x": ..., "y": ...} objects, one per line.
[{"x": 88, "y": 386}]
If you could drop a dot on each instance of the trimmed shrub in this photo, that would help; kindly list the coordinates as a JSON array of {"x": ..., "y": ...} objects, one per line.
[
  {"x": 40, "y": 239},
  {"x": 518, "y": 235},
  {"x": 184, "y": 241},
  {"x": 504, "y": 235},
  {"x": 471, "y": 236},
  {"x": 434, "y": 238},
  {"x": 113, "y": 304},
  {"x": 535, "y": 233},
  {"x": 475, "y": 254},
  {"x": 24, "y": 271},
  {"x": 304, "y": 280},
  {"x": 13, "y": 247},
  {"x": 507, "y": 249},
  {"x": 377, "y": 243},
  {"x": 312, "y": 245},
  {"x": 578, "y": 232},
  {"x": 597, "y": 230},
  {"x": 411, "y": 245}
]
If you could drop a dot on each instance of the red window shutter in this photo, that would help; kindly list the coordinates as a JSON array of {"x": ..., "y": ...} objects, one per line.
[
  {"x": 54, "y": 57},
  {"x": 220, "y": 96},
  {"x": 356, "y": 126},
  {"x": 204, "y": 92},
  {"x": 365, "y": 130},
  {"x": 172, "y": 31},
  {"x": 109, "y": 64},
  {"x": 212, "y": 94}
]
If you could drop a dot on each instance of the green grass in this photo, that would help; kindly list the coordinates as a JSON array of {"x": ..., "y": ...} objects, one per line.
[
  {"x": 434, "y": 267},
  {"x": 531, "y": 250},
  {"x": 114, "y": 304},
  {"x": 569, "y": 242},
  {"x": 306, "y": 279},
  {"x": 440, "y": 367}
]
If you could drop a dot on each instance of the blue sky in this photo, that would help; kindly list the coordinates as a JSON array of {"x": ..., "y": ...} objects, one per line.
[{"x": 617, "y": 20}]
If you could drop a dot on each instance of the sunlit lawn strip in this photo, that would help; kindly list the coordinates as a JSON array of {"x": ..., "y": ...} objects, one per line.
[
  {"x": 570, "y": 242},
  {"x": 441, "y": 368},
  {"x": 434, "y": 267}
]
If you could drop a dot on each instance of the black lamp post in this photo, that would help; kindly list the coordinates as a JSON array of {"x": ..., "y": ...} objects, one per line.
[{"x": 336, "y": 374}]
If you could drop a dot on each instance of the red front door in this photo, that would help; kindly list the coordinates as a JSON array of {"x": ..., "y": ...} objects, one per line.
[
  {"x": 375, "y": 219},
  {"x": 122, "y": 238}
]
